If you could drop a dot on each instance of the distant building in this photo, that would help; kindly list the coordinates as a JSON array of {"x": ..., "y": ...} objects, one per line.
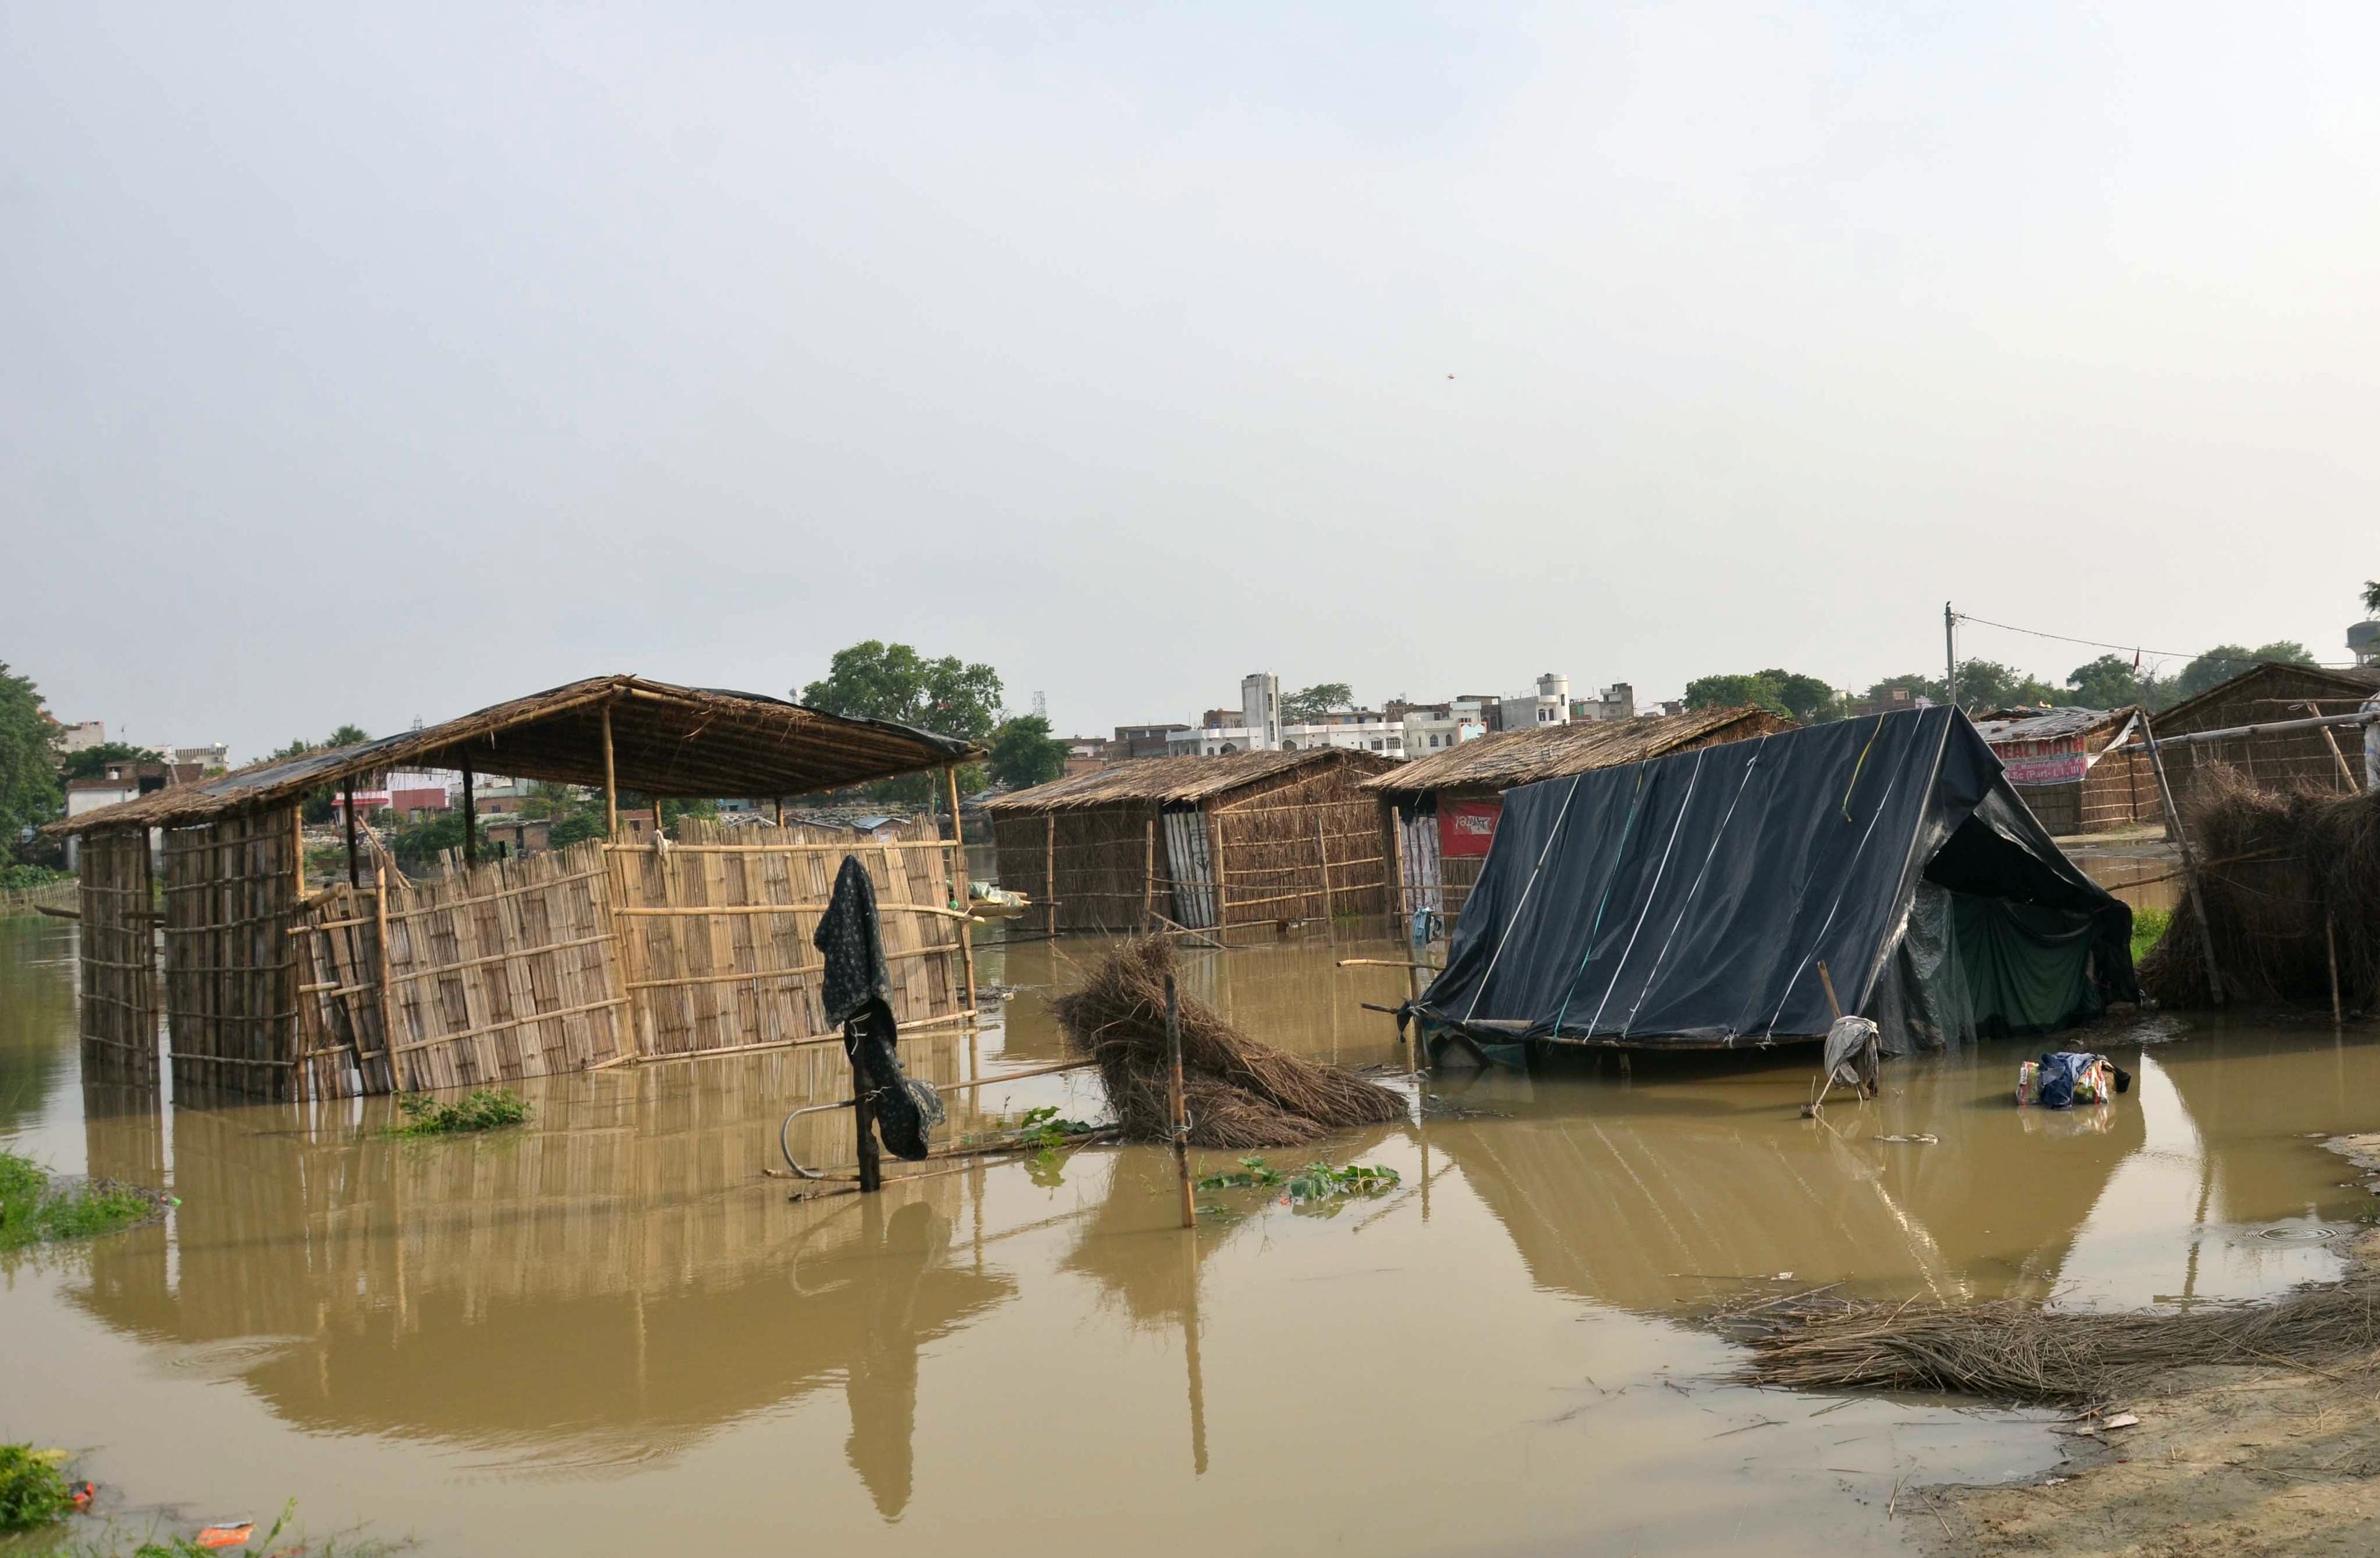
[
  {"x": 1548, "y": 705},
  {"x": 2363, "y": 642},
  {"x": 1260, "y": 710},
  {"x": 1145, "y": 741},
  {"x": 1893, "y": 701},
  {"x": 1617, "y": 701},
  {"x": 498, "y": 797},
  {"x": 1084, "y": 753},
  {"x": 83, "y": 736},
  {"x": 120, "y": 782},
  {"x": 414, "y": 795},
  {"x": 211, "y": 756},
  {"x": 519, "y": 835}
]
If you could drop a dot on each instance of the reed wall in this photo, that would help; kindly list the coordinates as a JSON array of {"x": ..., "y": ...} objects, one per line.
[
  {"x": 119, "y": 957},
  {"x": 231, "y": 985}
]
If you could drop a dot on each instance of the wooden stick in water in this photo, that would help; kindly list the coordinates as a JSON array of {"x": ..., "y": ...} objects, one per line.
[
  {"x": 1174, "y": 1103},
  {"x": 2330, "y": 944}
]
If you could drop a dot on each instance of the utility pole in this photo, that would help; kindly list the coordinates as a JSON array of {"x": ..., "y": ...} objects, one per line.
[{"x": 1949, "y": 656}]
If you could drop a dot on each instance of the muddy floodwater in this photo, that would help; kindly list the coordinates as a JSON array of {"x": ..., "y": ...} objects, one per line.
[{"x": 609, "y": 1331}]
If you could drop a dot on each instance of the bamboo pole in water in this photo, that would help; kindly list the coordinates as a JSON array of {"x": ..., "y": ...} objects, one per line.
[
  {"x": 959, "y": 885},
  {"x": 1175, "y": 1103},
  {"x": 2330, "y": 944},
  {"x": 611, "y": 783},
  {"x": 2189, "y": 862}
]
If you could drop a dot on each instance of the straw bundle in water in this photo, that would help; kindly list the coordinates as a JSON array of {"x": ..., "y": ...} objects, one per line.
[
  {"x": 2023, "y": 1354},
  {"x": 2284, "y": 874},
  {"x": 1241, "y": 1093}
]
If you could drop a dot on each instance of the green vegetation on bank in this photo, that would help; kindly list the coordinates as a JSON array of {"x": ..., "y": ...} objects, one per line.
[
  {"x": 482, "y": 1109},
  {"x": 2148, "y": 926},
  {"x": 34, "y": 1210},
  {"x": 34, "y": 1492}
]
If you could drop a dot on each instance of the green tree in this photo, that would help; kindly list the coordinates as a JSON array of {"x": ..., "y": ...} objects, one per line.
[
  {"x": 1025, "y": 754},
  {"x": 2371, "y": 596},
  {"x": 347, "y": 735},
  {"x": 1987, "y": 684},
  {"x": 2109, "y": 682},
  {"x": 948, "y": 697},
  {"x": 1309, "y": 704},
  {"x": 29, "y": 772},
  {"x": 91, "y": 761},
  {"x": 2224, "y": 662},
  {"x": 1807, "y": 699},
  {"x": 1755, "y": 688},
  {"x": 1915, "y": 683},
  {"x": 880, "y": 681}
]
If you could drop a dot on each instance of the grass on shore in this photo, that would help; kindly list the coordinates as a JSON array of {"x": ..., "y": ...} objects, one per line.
[
  {"x": 33, "y": 1211},
  {"x": 2148, "y": 926},
  {"x": 482, "y": 1109},
  {"x": 105, "y": 1540}
]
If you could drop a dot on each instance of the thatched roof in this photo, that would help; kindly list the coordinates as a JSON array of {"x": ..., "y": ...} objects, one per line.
[
  {"x": 2342, "y": 685},
  {"x": 1523, "y": 757},
  {"x": 2047, "y": 725},
  {"x": 666, "y": 741},
  {"x": 1162, "y": 781}
]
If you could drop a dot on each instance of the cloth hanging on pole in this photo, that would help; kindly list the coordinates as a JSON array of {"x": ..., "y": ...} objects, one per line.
[{"x": 857, "y": 990}]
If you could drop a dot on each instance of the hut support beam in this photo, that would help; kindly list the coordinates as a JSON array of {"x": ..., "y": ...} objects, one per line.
[
  {"x": 1049, "y": 870},
  {"x": 354, "y": 870},
  {"x": 470, "y": 818},
  {"x": 958, "y": 884},
  {"x": 611, "y": 783},
  {"x": 2189, "y": 862}
]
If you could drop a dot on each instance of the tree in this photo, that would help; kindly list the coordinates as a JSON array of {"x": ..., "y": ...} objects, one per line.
[
  {"x": 347, "y": 735},
  {"x": 1915, "y": 683},
  {"x": 2224, "y": 662},
  {"x": 29, "y": 774},
  {"x": 1987, "y": 684},
  {"x": 91, "y": 761},
  {"x": 2109, "y": 682},
  {"x": 1807, "y": 699},
  {"x": 880, "y": 681},
  {"x": 1023, "y": 753},
  {"x": 316, "y": 807},
  {"x": 2371, "y": 596},
  {"x": 1310, "y": 703},
  {"x": 1755, "y": 688}
]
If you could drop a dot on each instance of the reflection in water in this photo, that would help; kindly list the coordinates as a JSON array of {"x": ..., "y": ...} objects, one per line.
[{"x": 615, "y": 1299}]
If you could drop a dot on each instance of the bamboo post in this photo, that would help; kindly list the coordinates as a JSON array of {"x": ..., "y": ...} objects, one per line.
[
  {"x": 297, "y": 851},
  {"x": 1322, "y": 857},
  {"x": 958, "y": 879},
  {"x": 1829, "y": 980},
  {"x": 611, "y": 783},
  {"x": 1214, "y": 867},
  {"x": 355, "y": 872},
  {"x": 2330, "y": 945},
  {"x": 2189, "y": 861},
  {"x": 1394, "y": 848},
  {"x": 1049, "y": 870},
  {"x": 2345, "y": 773},
  {"x": 1148, "y": 877},
  {"x": 1175, "y": 1103},
  {"x": 780, "y": 811},
  {"x": 863, "y": 1114},
  {"x": 387, "y": 1000},
  {"x": 470, "y": 818}
]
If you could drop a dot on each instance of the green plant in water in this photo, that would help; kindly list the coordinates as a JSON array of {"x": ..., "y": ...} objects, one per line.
[
  {"x": 32, "y": 1211},
  {"x": 2148, "y": 926},
  {"x": 482, "y": 1109},
  {"x": 34, "y": 1492},
  {"x": 1252, "y": 1174}
]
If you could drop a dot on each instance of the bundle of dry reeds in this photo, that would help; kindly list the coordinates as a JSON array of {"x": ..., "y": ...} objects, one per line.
[
  {"x": 2286, "y": 875},
  {"x": 2021, "y": 1354},
  {"x": 1241, "y": 1093}
]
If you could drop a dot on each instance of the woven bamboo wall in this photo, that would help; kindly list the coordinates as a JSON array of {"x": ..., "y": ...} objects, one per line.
[
  {"x": 715, "y": 930},
  {"x": 1302, "y": 847},
  {"x": 231, "y": 1000},
  {"x": 504, "y": 972},
  {"x": 119, "y": 958},
  {"x": 1103, "y": 855}
]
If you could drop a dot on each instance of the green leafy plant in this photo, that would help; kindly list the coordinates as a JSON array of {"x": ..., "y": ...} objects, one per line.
[
  {"x": 34, "y": 1492},
  {"x": 2149, "y": 925},
  {"x": 34, "y": 1211},
  {"x": 1252, "y": 1174},
  {"x": 482, "y": 1109}
]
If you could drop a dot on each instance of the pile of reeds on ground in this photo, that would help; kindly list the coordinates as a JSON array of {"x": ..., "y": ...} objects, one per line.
[
  {"x": 2021, "y": 1354},
  {"x": 1241, "y": 1093},
  {"x": 2282, "y": 872}
]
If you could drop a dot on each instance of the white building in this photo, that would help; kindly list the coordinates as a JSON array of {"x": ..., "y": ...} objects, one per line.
[
  {"x": 210, "y": 756},
  {"x": 1550, "y": 705},
  {"x": 1617, "y": 701},
  {"x": 83, "y": 736},
  {"x": 1428, "y": 733},
  {"x": 1260, "y": 712}
]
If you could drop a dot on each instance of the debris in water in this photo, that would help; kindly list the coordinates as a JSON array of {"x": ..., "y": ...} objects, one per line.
[
  {"x": 1240, "y": 1093},
  {"x": 1915, "y": 1139}
]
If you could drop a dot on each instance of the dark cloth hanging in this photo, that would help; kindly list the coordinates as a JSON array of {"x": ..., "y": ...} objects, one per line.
[{"x": 858, "y": 994}]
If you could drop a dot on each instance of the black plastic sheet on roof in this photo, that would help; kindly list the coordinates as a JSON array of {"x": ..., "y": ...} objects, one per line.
[{"x": 1690, "y": 899}]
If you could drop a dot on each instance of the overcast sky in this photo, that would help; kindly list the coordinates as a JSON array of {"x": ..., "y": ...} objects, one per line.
[{"x": 379, "y": 362}]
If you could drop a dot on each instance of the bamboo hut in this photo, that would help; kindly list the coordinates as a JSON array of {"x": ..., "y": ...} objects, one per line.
[
  {"x": 1438, "y": 814},
  {"x": 2303, "y": 757},
  {"x": 1246, "y": 838},
  {"x": 2066, "y": 766},
  {"x": 607, "y": 952}
]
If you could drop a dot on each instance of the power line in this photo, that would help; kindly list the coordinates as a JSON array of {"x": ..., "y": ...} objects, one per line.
[{"x": 2136, "y": 649}]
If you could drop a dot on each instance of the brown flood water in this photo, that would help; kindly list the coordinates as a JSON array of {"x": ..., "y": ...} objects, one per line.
[{"x": 608, "y": 1333}]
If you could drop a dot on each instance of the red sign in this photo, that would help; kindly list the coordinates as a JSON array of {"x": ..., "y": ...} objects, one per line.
[
  {"x": 2060, "y": 761},
  {"x": 1467, "y": 827}
]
